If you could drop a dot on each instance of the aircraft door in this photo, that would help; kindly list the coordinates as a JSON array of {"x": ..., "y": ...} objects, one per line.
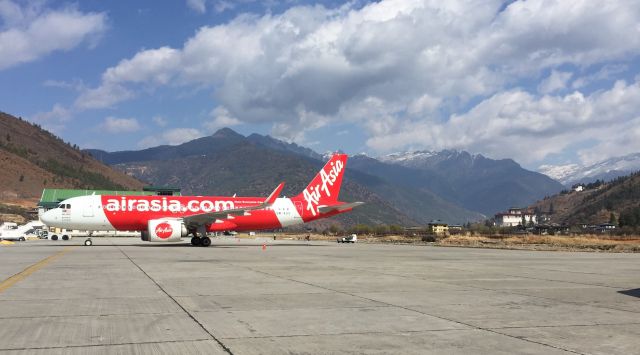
[
  {"x": 87, "y": 211},
  {"x": 66, "y": 212}
]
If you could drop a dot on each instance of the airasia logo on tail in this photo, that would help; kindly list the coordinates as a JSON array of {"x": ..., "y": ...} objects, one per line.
[
  {"x": 164, "y": 230},
  {"x": 314, "y": 194}
]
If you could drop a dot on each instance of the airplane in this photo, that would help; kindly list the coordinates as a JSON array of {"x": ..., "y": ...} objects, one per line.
[{"x": 170, "y": 218}]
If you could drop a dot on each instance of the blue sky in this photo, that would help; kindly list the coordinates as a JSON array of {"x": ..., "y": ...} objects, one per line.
[{"x": 541, "y": 81}]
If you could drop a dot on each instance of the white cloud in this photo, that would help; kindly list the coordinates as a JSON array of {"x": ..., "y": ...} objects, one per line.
[
  {"x": 173, "y": 136},
  {"x": 154, "y": 66},
  {"x": 222, "y": 5},
  {"x": 58, "y": 112},
  {"x": 120, "y": 125},
  {"x": 424, "y": 104},
  {"x": 197, "y": 5},
  {"x": 221, "y": 118},
  {"x": 557, "y": 80},
  {"x": 160, "y": 121},
  {"x": 31, "y": 32},
  {"x": 54, "y": 120},
  {"x": 607, "y": 72},
  {"x": 399, "y": 68},
  {"x": 103, "y": 96},
  {"x": 516, "y": 124},
  {"x": 75, "y": 84}
]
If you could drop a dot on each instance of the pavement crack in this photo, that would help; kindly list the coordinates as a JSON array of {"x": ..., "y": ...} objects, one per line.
[
  {"x": 416, "y": 311},
  {"x": 101, "y": 345},
  {"x": 226, "y": 349}
]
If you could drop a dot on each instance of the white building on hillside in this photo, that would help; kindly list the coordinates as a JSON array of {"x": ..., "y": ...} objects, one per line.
[{"x": 514, "y": 216}]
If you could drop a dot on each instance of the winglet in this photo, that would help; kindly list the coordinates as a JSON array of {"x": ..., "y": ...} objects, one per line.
[{"x": 274, "y": 195}]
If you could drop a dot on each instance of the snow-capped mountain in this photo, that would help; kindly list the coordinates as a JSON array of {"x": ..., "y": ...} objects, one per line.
[
  {"x": 426, "y": 158},
  {"x": 470, "y": 180},
  {"x": 406, "y": 156},
  {"x": 605, "y": 170},
  {"x": 560, "y": 172}
]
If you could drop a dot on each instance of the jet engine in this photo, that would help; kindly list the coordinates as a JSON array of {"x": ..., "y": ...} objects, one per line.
[{"x": 164, "y": 230}]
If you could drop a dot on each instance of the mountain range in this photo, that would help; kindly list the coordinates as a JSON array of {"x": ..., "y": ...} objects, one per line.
[
  {"x": 410, "y": 189},
  {"x": 472, "y": 180},
  {"x": 605, "y": 170}
]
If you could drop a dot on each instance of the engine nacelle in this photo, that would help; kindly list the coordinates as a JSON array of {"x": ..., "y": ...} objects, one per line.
[{"x": 164, "y": 230}]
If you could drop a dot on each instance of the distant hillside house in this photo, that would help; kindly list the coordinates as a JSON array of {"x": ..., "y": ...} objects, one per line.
[
  {"x": 513, "y": 218},
  {"x": 578, "y": 188},
  {"x": 605, "y": 227},
  {"x": 438, "y": 227}
]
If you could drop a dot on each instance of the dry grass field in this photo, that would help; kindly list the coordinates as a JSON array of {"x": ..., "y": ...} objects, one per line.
[{"x": 593, "y": 243}]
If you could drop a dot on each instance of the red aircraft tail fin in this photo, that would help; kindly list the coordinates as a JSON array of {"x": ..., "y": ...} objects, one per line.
[{"x": 324, "y": 189}]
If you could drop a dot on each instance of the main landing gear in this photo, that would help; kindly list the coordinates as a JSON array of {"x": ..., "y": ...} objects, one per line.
[
  {"x": 203, "y": 242},
  {"x": 200, "y": 241}
]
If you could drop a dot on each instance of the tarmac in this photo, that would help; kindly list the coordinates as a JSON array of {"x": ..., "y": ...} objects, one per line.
[{"x": 124, "y": 296}]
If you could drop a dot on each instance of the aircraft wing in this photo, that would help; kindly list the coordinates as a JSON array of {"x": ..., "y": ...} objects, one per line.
[
  {"x": 339, "y": 207},
  {"x": 200, "y": 219}
]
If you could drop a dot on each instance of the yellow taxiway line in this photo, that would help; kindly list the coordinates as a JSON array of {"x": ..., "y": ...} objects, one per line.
[{"x": 6, "y": 284}]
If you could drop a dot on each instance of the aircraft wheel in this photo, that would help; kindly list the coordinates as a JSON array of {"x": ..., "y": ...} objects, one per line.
[
  {"x": 205, "y": 241},
  {"x": 88, "y": 242},
  {"x": 195, "y": 241}
]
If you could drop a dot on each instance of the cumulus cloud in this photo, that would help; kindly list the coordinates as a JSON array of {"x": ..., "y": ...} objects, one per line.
[
  {"x": 221, "y": 118},
  {"x": 395, "y": 67},
  {"x": 103, "y": 96},
  {"x": 557, "y": 80},
  {"x": 518, "y": 124},
  {"x": 31, "y": 31},
  {"x": 58, "y": 112},
  {"x": 55, "y": 119},
  {"x": 120, "y": 125}
]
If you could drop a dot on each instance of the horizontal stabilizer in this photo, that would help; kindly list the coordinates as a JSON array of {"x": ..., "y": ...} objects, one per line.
[
  {"x": 339, "y": 207},
  {"x": 274, "y": 195}
]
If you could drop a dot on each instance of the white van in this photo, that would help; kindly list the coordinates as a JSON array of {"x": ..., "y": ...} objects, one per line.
[{"x": 348, "y": 239}]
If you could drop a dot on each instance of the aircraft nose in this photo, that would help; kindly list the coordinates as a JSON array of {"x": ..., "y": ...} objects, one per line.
[{"x": 47, "y": 217}]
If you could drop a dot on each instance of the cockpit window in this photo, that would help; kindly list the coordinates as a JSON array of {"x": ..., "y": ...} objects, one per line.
[{"x": 68, "y": 206}]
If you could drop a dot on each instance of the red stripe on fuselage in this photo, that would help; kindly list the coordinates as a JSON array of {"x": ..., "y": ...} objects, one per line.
[{"x": 134, "y": 212}]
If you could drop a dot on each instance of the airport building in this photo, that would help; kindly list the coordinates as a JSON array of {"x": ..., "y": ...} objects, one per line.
[
  {"x": 438, "y": 227},
  {"x": 52, "y": 197},
  {"x": 514, "y": 217}
]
